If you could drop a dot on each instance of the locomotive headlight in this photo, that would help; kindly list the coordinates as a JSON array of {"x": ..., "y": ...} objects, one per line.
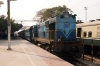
[{"x": 66, "y": 16}]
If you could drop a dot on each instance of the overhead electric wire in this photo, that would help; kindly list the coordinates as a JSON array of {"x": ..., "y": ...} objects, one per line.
[
  {"x": 78, "y": 4},
  {"x": 88, "y": 7},
  {"x": 54, "y": 3},
  {"x": 42, "y": 6},
  {"x": 94, "y": 5},
  {"x": 44, "y": 3},
  {"x": 79, "y": 10}
]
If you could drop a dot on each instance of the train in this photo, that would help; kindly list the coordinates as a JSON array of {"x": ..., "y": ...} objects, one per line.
[
  {"x": 90, "y": 35},
  {"x": 56, "y": 35}
]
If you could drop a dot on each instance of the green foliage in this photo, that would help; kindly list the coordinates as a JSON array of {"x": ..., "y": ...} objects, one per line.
[
  {"x": 15, "y": 26},
  {"x": 4, "y": 25},
  {"x": 52, "y": 12}
]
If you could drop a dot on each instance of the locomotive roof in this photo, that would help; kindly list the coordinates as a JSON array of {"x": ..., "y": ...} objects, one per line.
[{"x": 88, "y": 24}]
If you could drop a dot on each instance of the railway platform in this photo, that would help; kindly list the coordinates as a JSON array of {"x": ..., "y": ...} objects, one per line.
[{"x": 24, "y": 53}]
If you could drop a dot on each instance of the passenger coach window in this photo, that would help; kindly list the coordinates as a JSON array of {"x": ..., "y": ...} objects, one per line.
[
  {"x": 89, "y": 34},
  {"x": 84, "y": 35}
]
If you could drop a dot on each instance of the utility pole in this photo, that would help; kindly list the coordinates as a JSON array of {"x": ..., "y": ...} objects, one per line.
[
  {"x": 85, "y": 14},
  {"x": 9, "y": 24}
]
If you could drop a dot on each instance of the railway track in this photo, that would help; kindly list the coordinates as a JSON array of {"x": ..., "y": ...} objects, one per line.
[
  {"x": 86, "y": 62},
  {"x": 78, "y": 63},
  {"x": 81, "y": 62},
  {"x": 95, "y": 60}
]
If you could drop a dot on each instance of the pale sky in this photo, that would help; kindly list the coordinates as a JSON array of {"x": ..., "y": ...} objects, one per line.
[{"x": 26, "y": 9}]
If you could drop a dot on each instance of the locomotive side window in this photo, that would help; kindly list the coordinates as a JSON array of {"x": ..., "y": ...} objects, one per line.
[
  {"x": 89, "y": 34},
  {"x": 84, "y": 34}
]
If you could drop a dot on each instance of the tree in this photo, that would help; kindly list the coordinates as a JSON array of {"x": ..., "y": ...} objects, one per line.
[
  {"x": 4, "y": 24},
  {"x": 15, "y": 26},
  {"x": 52, "y": 12},
  {"x": 39, "y": 15},
  {"x": 1, "y": 2}
]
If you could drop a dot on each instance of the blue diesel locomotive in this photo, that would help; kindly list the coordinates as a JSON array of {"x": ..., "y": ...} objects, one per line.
[{"x": 58, "y": 35}]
